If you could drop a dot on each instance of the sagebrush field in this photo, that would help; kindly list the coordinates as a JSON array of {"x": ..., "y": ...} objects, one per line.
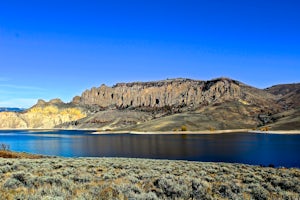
[{"x": 121, "y": 178}]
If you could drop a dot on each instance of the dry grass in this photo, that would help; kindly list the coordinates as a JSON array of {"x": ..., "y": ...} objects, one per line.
[
  {"x": 6, "y": 153},
  {"x": 121, "y": 178},
  {"x": 10, "y": 154}
]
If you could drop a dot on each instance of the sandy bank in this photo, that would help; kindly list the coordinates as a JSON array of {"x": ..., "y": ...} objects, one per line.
[
  {"x": 277, "y": 132},
  {"x": 199, "y": 132},
  {"x": 97, "y": 131},
  {"x": 173, "y": 132}
]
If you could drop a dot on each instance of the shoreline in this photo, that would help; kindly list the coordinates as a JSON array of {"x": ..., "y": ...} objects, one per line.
[
  {"x": 173, "y": 132},
  {"x": 276, "y": 132},
  {"x": 97, "y": 131}
]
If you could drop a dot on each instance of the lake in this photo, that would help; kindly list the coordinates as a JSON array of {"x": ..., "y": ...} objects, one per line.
[{"x": 248, "y": 148}]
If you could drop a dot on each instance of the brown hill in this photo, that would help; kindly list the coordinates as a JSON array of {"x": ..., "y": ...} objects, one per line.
[
  {"x": 287, "y": 120},
  {"x": 288, "y": 95}
]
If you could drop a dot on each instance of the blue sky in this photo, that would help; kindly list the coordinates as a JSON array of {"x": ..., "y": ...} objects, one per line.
[{"x": 54, "y": 48}]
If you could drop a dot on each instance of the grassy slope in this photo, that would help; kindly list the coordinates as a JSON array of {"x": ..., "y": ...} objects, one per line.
[
  {"x": 230, "y": 115},
  {"x": 289, "y": 120},
  {"x": 117, "y": 178}
]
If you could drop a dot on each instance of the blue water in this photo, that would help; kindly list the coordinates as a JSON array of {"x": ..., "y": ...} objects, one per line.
[{"x": 248, "y": 148}]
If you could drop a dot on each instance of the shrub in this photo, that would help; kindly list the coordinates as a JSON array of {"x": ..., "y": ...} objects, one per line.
[
  {"x": 223, "y": 190},
  {"x": 20, "y": 176},
  {"x": 287, "y": 185},
  {"x": 171, "y": 188},
  {"x": 235, "y": 188},
  {"x": 183, "y": 128},
  {"x": 51, "y": 180},
  {"x": 200, "y": 189},
  {"x": 266, "y": 128},
  {"x": 133, "y": 179},
  {"x": 12, "y": 183},
  {"x": 81, "y": 178},
  {"x": 147, "y": 196},
  {"x": 259, "y": 193},
  {"x": 109, "y": 192},
  {"x": 6, "y": 168}
]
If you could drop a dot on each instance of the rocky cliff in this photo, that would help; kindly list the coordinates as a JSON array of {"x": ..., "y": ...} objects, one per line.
[
  {"x": 174, "y": 92},
  {"x": 42, "y": 115}
]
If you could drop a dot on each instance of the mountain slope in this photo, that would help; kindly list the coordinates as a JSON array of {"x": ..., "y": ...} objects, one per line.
[
  {"x": 287, "y": 120},
  {"x": 288, "y": 95}
]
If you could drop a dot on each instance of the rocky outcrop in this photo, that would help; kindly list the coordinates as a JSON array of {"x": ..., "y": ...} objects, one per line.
[
  {"x": 11, "y": 120},
  {"x": 55, "y": 101},
  {"x": 173, "y": 92},
  {"x": 42, "y": 115}
]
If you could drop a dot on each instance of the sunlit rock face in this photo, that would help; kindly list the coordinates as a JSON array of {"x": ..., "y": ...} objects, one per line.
[
  {"x": 42, "y": 115},
  {"x": 12, "y": 120},
  {"x": 172, "y": 92}
]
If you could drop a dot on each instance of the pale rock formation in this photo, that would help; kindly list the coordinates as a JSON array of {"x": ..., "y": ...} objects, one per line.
[{"x": 42, "y": 115}]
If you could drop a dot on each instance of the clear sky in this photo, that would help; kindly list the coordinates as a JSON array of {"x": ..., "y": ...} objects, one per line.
[{"x": 57, "y": 48}]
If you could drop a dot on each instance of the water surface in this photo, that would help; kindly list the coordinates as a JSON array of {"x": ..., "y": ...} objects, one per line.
[{"x": 249, "y": 148}]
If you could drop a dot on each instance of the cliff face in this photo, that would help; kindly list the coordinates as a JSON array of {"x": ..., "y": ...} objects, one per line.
[
  {"x": 174, "y": 92},
  {"x": 42, "y": 115}
]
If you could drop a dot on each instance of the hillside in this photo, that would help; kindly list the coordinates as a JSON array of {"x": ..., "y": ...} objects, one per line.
[
  {"x": 167, "y": 105},
  {"x": 288, "y": 95}
]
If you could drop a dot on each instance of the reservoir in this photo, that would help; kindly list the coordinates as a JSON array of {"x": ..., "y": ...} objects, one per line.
[{"x": 248, "y": 148}]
